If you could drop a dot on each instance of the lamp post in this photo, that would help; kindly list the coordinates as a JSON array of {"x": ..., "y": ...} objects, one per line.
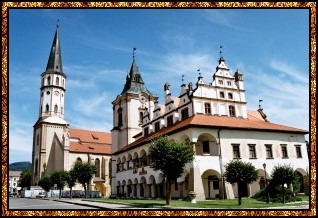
[{"x": 266, "y": 185}]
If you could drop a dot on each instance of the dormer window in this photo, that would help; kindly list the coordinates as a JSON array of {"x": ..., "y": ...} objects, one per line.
[{"x": 141, "y": 115}]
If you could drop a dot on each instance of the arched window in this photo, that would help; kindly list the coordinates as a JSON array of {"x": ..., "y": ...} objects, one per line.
[
  {"x": 43, "y": 82},
  {"x": 47, "y": 108},
  {"x": 36, "y": 166},
  {"x": 37, "y": 140},
  {"x": 49, "y": 80},
  {"x": 79, "y": 159},
  {"x": 230, "y": 96},
  {"x": 57, "y": 81},
  {"x": 63, "y": 82},
  {"x": 221, "y": 94},
  {"x": 97, "y": 164},
  {"x": 61, "y": 110},
  {"x": 55, "y": 109}
]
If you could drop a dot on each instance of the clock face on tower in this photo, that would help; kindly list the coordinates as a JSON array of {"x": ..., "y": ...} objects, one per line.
[{"x": 56, "y": 93}]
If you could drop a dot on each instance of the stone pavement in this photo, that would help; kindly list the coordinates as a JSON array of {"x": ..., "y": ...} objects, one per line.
[{"x": 110, "y": 206}]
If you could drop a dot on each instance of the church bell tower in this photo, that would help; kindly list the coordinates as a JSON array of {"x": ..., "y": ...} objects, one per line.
[{"x": 48, "y": 133}]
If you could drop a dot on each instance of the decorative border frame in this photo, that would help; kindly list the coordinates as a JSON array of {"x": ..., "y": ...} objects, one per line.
[{"x": 6, "y": 6}]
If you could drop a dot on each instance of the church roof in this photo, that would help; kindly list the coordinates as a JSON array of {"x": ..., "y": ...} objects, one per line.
[
  {"x": 134, "y": 83},
  {"x": 252, "y": 123},
  {"x": 87, "y": 141}
]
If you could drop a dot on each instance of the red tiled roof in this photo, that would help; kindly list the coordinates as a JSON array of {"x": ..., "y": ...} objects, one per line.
[
  {"x": 204, "y": 120},
  {"x": 90, "y": 141}
]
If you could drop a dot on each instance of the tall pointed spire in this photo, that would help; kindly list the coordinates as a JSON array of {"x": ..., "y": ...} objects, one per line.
[{"x": 55, "y": 59}]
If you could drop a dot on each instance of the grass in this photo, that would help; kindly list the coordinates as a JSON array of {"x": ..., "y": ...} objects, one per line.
[{"x": 247, "y": 203}]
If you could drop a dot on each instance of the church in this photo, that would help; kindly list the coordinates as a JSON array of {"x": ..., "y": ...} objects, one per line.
[{"x": 211, "y": 114}]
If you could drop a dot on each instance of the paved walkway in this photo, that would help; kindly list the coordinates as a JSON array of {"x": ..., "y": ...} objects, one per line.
[{"x": 110, "y": 206}]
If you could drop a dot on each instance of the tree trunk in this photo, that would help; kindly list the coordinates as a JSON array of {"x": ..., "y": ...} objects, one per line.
[
  {"x": 283, "y": 192},
  {"x": 239, "y": 191},
  {"x": 168, "y": 191},
  {"x": 71, "y": 193},
  {"x": 60, "y": 193},
  {"x": 85, "y": 190}
]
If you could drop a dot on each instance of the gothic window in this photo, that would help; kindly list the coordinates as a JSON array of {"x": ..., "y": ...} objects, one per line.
[
  {"x": 298, "y": 151},
  {"x": 221, "y": 94},
  {"x": 184, "y": 113},
  {"x": 55, "y": 109},
  {"x": 207, "y": 107},
  {"x": 284, "y": 151},
  {"x": 236, "y": 151},
  {"x": 206, "y": 147},
  {"x": 97, "y": 164},
  {"x": 230, "y": 95},
  {"x": 169, "y": 120},
  {"x": 252, "y": 151},
  {"x": 232, "y": 110},
  {"x": 47, "y": 108},
  {"x": 36, "y": 166},
  {"x": 49, "y": 80},
  {"x": 57, "y": 81},
  {"x": 120, "y": 116},
  {"x": 269, "y": 152}
]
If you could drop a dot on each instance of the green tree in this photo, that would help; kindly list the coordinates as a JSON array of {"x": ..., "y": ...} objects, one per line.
[
  {"x": 283, "y": 174},
  {"x": 59, "y": 178},
  {"x": 241, "y": 173},
  {"x": 71, "y": 180},
  {"x": 25, "y": 179},
  {"x": 45, "y": 183},
  {"x": 84, "y": 172},
  {"x": 170, "y": 156}
]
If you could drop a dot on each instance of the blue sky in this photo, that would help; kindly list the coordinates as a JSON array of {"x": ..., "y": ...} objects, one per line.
[{"x": 269, "y": 46}]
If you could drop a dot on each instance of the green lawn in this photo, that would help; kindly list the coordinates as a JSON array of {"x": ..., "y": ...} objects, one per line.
[{"x": 216, "y": 204}]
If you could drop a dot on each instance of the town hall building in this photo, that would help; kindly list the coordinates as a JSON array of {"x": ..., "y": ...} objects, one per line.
[{"x": 210, "y": 113}]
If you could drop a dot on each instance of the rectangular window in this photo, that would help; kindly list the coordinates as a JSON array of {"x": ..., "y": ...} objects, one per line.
[
  {"x": 232, "y": 110},
  {"x": 284, "y": 151},
  {"x": 146, "y": 131},
  {"x": 206, "y": 147},
  {"x": 236, "y": 151},
  {"x": 298, "y": 151},
  {"x": 169, "y": 120},
  {"x": 252, "y": 151},
  {"x": 184, "y": 113},
  {"x": 157, "y": 126},
  {"x": 207, "y": 107},
  {"x": 269, "y": 153}
]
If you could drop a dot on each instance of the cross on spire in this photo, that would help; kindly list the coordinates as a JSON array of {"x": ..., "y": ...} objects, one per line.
[
  {"x": 134, "y": 49},
  {"x": 221, "y": 46}
]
